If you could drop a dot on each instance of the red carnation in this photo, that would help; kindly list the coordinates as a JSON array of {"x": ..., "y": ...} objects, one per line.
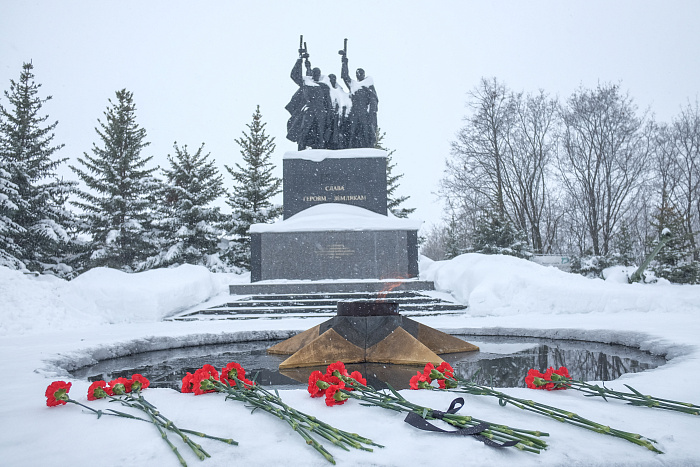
[
  {"x": 562, "y": 374},
  {"x": 248, "y": 384},
  {"x": 337, "y": 366},
  {"x": 57, "y": 393},
  {"x": 314, "y": 388},
  {"x": 447, "y": 383},
  {"x": 120, "y": 386},
  {"x": 139, "y": 382},
  {"x": 187, "y": 383},
  {"x": 537, "y": 380},
  {"x": 429, "y": 368},
  {"x": 231, "y": 371},
  {"x": 201, "y": 380},
  {"x": 98, "y": 390},
  {"x": 446, "y": 369},
  {"x": 333, "y": 394},
  {"x": 212, "y": 371},
  {"x": 420, "y": 381},
  {"x": 357, "y": 376}
]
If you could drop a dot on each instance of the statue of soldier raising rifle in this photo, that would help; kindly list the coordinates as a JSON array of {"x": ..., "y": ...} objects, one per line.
[
  {"x": 362, "y": 131},
  {"x": 322, "y": 116},
  {"x": 309, "y": 124}
]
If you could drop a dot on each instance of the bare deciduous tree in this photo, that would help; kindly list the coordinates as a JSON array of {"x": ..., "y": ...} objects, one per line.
[
  {"x": 602, "y": 161},
  {"x": 685, "y": 131},
  {"x": 478, "y": 164},
  {"x": 528, "y": 159},
  {"x": 501, "y": 160}
]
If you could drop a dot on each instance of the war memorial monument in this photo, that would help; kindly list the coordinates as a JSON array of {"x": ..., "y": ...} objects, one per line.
[
  {"x": 335, "y": 225},
  {"x": 337, "y": 235}
]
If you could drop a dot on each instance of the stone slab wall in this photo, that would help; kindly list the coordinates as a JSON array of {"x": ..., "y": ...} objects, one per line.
[{"x": 367, "y": 254}]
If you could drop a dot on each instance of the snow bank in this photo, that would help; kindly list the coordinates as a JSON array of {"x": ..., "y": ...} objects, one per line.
[
  {"x": 504, "y": 285},
  {"x": 101, "y": 296},
  {"x": 63, "y": 324}
]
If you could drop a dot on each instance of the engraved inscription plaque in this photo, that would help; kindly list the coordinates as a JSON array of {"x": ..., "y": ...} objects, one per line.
[{"x": 356, "y": 181}]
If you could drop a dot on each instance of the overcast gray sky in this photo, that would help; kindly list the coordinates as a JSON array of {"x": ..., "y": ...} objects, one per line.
[{"x": 198, "y": 69}]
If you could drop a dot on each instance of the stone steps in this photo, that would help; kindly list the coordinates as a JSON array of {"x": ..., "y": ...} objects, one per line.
[
  {"x": 270, "y": 306},
  {"x": 332, "y": 287}
]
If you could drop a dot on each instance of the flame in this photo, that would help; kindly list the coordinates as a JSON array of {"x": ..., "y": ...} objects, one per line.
[{"x": 381, "y": 296}]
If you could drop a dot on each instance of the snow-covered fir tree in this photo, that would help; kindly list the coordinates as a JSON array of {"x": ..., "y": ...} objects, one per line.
[
  {"x": 117, "y": 211},
  {"x": 35, "y": 224},
  {"x": 188, "y": 222},
  {"x": 675, "y": 260},
  {"x": 452, "y": 248},
  {"x": 10, "y": 203},
  {"x": 394, "y": 201},
  {"x": 496, "y": 235},
  {"x": 254, "y": 187},
  {"x": 623, "y": 247}
]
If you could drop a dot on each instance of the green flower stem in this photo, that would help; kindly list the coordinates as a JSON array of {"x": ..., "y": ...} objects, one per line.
[
  {"x": 555, "y": 413},
  {"x": 148, "y": 409},
  {"x": 96, "y": 412},
  {"x": 296, "y": 426},
  {"x": 633, "y": 398},
  {"x": 336, "y": 436},
  {"x": 204, "y": 435},
  {"x": 527, "y": 440},
  {"x": 159, "y": 421},
  {"x": 159, "y": 418},
  {"x": 117, "y": 413},
  {"x": 165, "y": 438},
  {"x": 305, "y": 425}
]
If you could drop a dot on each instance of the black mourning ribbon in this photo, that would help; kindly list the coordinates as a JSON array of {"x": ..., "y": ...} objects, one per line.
[{"x": 419, "y": 422}]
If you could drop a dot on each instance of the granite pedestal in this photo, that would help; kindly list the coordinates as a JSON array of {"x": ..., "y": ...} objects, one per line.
[
  {"x": 336, "y": 225},
  {"x": 334, "y": 241}
]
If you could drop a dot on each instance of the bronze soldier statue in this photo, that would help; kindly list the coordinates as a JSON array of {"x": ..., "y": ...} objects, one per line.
[
  {"x": 310, "y": 122},
  {"x": 362, "y": 128},
  {"x": 340, "y": 100}
]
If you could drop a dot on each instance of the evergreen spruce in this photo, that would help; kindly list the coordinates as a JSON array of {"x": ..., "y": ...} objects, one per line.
[
  {"x": 675, "y": 260},
  {"x": 623, "y": 247},
  {"x": 496, "y": 235},
  {"x": 117, "y": 211},
  {"x": 452, "y": 243},
  {"x": 392, "y": 182},
  {"x": 254, "y": 186},
  {"x": 10, "y": 202},
  {"x": 34, "y": 223},
  {"x": 188, "y": 221}
]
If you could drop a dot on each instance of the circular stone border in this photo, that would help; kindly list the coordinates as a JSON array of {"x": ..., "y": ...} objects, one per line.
[{"x": 90, "y": 356}]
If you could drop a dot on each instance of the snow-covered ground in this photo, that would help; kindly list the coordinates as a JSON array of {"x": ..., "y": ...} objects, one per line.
[{"x": 48, "y": 325}]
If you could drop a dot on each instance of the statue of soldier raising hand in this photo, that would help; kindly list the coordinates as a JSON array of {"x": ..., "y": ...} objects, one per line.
[
  {"x": 362, "y": 128},
  {"x": 310, "y": 122}
]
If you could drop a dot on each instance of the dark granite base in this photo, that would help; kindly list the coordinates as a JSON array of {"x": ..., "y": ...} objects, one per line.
[{"x": 362, "y": 254}]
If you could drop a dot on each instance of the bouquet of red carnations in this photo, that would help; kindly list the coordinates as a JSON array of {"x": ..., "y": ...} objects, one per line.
[
  {"x": 445, "y": 377},
  {"x": 128, "y": 393},
  {"x": 337, "y": 386},
  {"x": 553, "y": 380},
  {"x": 233, "y": 383}
]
